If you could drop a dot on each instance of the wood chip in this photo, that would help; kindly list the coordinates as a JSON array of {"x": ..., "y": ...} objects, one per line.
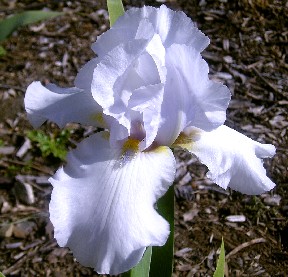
[
  {"x": 182, "y": 252},
  {"x": 7, "y": 150},
  {"x": 13, "y": 245},
  {"x": 23, "y": 229},
  {"x": 24, "y": 148},
  {"x": 24, "y": 192},
  {"x": 189, "y": 216},
  {"x": 236, "y": 218},
  {"x": 6, "y": 231},
  {"x": 273, "y": 200}
]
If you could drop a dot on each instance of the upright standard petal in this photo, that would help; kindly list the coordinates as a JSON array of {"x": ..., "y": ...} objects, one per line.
[
  {"x": 85, "y": 76},
  {"x": 147, "y": 100},
  {"x": 233, "y": 159},
  {"x": 60, "y": 105},
  {"x": 109, "y": 78},
  {"x": 128, "y": 84},
  {"x": 117, "y": 189},
  {"x": 173, "y": 27},
  {"x": 190, "y": 98}
]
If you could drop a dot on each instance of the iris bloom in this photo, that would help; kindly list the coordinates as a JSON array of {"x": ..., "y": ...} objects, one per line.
[{"x": 149, "y": 89}]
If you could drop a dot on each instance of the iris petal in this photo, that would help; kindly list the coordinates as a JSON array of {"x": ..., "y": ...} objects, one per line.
[
  {"x": 173, "y": 27},
  {"x": 233, "y": 159},
  {"x": 190, "y": 98},
  {"x": 60, "y": 105},
  {"x": 110, "y": 77},
  {"x": 102, "y": 204}
]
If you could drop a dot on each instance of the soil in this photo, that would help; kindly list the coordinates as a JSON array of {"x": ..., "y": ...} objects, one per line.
[{"x": 248, "y": 52}]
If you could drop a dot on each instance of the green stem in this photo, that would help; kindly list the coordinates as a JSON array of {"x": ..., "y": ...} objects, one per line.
[
  {"x": 115, "y": 10},
  {"x": 162, "y": 257},
  {"x": 143, "y": 267}
]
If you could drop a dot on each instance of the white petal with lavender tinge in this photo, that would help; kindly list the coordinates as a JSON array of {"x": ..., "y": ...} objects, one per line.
[
  {"x": 190, "y": 98},
  {"x": 60, "y": 105},
  {"x": 102, "y": 204},
  {"x": 172, "y": 27},
  {"x": 233, "y": 159}
]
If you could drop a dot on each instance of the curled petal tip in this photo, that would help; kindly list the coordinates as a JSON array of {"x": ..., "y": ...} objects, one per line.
[
  {"x": 59, "y": 105},
  {"x": 233, "y": 159}
]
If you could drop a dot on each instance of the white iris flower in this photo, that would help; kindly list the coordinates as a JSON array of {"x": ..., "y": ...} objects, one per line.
[{"x": 149, "y": 88}]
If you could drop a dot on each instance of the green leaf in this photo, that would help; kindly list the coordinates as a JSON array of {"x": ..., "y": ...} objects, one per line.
[
  {"x": 10, "y": 24},
  {"x": 2, "y": 53},
  {"x": 115, "y": 10},
  {"x": 51, "y": 144},
  {"x": 220, "y": 268},
  {"x": 2, "y": 275},
  {"x": 143, "y": 267},
  {"x": 162, "y": 257}
]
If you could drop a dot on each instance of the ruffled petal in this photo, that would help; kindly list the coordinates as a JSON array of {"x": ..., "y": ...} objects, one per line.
[
  {"x": 126, "y": 28},
  {"x": 109, "y": 79},
  {"x": 61, "y": 105},
  {"x": 102, "y": 204},
  {"x": 177, "y": 28},
  {"x": 233, "y": 159},
  {"x": 151, "y": 65},
  {"x": 132, "y": 91},
  {"x": 173, "y": 27},
  {"x": 148, "y": 100},
  {"x": 190, "y": 98},
  {"x": 108, "y": 41}
]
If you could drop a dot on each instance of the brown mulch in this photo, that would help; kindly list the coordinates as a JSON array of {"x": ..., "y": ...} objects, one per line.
[{"x": 248, "y": 52}]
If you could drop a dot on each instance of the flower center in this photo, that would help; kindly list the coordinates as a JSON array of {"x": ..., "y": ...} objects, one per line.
[
  {"x": 129, "y": 150},
  {"x": 130, "y": 146},
  {"x": 187, "y": 138}
]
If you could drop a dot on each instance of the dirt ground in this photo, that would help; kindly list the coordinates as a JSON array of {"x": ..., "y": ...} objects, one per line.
[{"x": 248, "y": 52}]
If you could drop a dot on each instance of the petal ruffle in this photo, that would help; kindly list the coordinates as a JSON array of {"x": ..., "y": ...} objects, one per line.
[
  {"x": 173, "y": 27},
  {"x": 85, "y": 76},
  {"x": 60, "y": 105},
  {"x": 190, "y": 98},
  {"x": 147, "y": 100},
  {"x": 233, "y": 159},
  {"x": 127, "y": 74},
  {"x": 102, "y": 204},
  {"x": 109, "y": 78}
]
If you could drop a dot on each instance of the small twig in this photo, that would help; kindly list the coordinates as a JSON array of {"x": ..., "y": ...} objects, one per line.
[
  {"x": 40, "y": 214},
  {"x": 244, "y": 245},
  {"x": 259, "y": 97},
  {"x": 34, "y": 166},
  {"x": 264, "y": 80},
  {"x": 11, "y": 87}
]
